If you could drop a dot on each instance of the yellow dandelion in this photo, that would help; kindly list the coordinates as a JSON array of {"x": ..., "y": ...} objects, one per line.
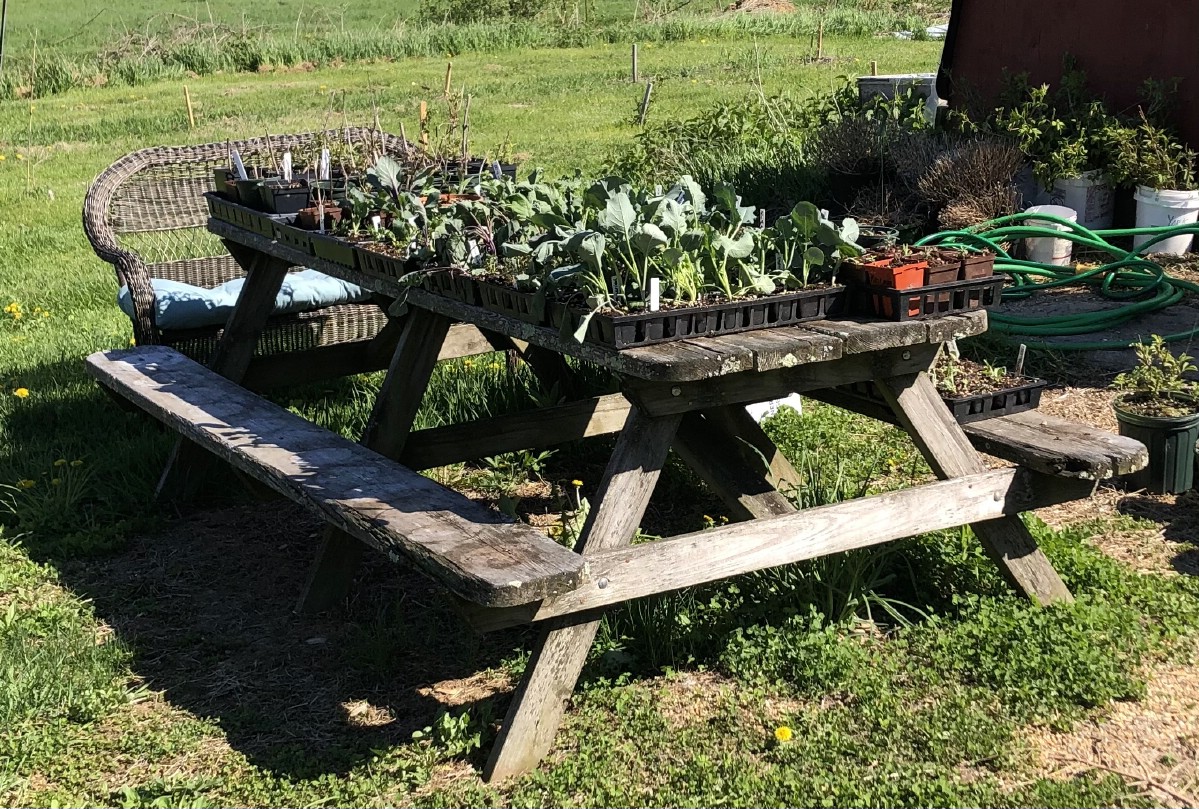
[
  {"x": 469, "y": 363},
  {"x": 61, "y": 462},
  {"x": 20, "y": 156},
  {"x": 17, "y": 315},
  {"x": 76, "y": 463},
  {"x": 783, "y": 734},
  {"x": 21, "y": 393},
  {"x": 26, "y": 483},
  {"x": 2, "y": 157},
  {"x": 495, "y": 366},
  {"x": 576, "y": 483},
  {"x": 323, "y": 88},
  {"x": 55, "y": 481},
  {"x": 132, "y": 341}
]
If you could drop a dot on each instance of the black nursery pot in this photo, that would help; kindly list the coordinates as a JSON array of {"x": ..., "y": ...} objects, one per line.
[
  {"x": 1171, "y": 445},
  {"x": 284, "y": 198}
]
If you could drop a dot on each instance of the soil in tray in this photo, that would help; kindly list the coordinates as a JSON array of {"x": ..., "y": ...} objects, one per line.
[{"x": 960, "y": 378}]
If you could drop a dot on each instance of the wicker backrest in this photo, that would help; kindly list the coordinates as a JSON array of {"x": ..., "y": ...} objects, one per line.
[{"x": 149, "y": 205}]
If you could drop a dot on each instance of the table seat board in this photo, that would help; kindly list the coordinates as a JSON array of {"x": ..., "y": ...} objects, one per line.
[
  {"x": 681, "y": 361},
  {"x": 1057, "y": 446},
  {"x": 1032, "y": 439},
  {"x": 475, "y": 552}
]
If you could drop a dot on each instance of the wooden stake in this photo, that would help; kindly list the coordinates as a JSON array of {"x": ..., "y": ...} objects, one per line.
[
  {"x": 635, "y": 77},
  {"x": 873, "y": 68},
  {"x": 449, "y": 78},
  {"x": 191, "y": 115},
  {"x": 649, "y": 89},
  {"x": 820, "y": 41},
  {"x": 465, "y": 136},
  {"x": 424, "y": 123}
]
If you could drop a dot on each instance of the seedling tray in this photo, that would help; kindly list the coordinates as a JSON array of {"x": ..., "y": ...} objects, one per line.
[
  {"x": 650, "y": 328},
  {"x": 248, "y": 218},
  {"x": 977, "y": 407},
  {"x": 1004, "y": 402},
  {"x": 452, "y": 284},
  {"x": 372, "y": 262},
  {"x": 936, "y": 300},
  {"x": 334, "y": 249},
  {"x": 528, "y": 307}
]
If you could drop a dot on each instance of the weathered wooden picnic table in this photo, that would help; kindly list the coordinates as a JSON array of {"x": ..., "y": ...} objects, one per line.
[{"x": 687, "y": 395}]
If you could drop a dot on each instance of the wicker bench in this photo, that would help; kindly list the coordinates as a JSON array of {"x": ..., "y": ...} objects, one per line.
[{"x": 145, "y": 215}]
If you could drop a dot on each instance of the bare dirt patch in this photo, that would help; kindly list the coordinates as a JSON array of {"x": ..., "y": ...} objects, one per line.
[
  {"x": 761, "y": 7},
  {"x": 1152, "y": 743}
]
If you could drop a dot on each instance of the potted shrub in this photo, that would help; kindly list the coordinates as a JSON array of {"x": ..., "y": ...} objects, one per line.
[
  {"x": 1068, "y": 136},
  {"x": 1163, "y": 170},
  {"x": 1159, "y": 408}
]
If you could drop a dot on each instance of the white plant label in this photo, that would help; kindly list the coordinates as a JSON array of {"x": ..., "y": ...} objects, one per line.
[
  {"x": 376, "y": 222},
  {"x": 655, "y": 294},
  {"x": 323, "y": 166},
  {"x": 474, "y": 255},
  {"x": 287, "y": 166},
  {"x": 239, "y": 166}
]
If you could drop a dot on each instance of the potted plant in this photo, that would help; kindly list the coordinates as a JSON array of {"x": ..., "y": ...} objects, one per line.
[
  {"x": 1158, "y": 407},
  {"x": 1163, "y": 171},
  {"x": 1068, "y": 136}
]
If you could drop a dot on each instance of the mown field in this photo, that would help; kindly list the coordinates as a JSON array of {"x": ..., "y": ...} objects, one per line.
[{"x": 151, "y": 659}]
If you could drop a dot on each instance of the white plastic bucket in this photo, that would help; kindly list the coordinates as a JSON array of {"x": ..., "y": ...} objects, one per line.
[
  {"x": 1157, "y": 209},
  {"x": 1043, "y": 249},
  {"x": 1090, "y": 195}
]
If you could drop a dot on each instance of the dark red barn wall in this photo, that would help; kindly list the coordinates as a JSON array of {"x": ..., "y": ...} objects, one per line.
[{"x": 1119, "y": 43}]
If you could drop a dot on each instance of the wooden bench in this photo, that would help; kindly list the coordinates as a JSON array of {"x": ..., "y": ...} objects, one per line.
[
  {"x": 1032, "y": 439},
  {"x": 474, "y": 552}
]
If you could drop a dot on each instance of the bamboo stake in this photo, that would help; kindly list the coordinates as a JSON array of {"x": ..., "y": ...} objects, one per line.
[
  {"x": 270, "y": 147},
  {"x": 191, "y": 115},
  {"x": 820, "y": 41},
  {"x": 635, "y": 77},
  {"x": 465, "y": 136},
  {"x": 424, "y": 124},
  {"x": 449, "y": 75},
  {"x": 873, "y": 68}
]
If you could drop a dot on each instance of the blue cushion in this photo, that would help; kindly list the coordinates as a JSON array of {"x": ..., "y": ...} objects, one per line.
[{"x": 183, "y": 306}]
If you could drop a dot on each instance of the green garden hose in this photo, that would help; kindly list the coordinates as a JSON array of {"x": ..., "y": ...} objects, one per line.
[{"x": 1144, "y": 285}]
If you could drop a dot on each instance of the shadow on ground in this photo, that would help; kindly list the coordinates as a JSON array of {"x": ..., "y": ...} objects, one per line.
[
  {"x": 1179, "y": 518},
  {"x": 207, "y": 608}
]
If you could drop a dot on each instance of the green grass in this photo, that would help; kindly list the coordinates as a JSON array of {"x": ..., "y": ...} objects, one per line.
[
  {"x": 76, "y": 28},
  {"x": 170, "y": 672}
]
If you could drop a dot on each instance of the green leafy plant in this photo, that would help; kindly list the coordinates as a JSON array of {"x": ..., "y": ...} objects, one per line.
[
  {"x": 1159, "y": 374},
  {"x": 1152, "y": 156}
]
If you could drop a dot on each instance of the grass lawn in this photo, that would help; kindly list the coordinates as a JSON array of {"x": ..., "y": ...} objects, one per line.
[{"x": 148, "y": 661}]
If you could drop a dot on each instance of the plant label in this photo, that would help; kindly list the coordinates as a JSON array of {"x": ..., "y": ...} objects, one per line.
[
  {"x": 238, "y": 166},
  {"x": 655, "y": 294},
  {"x": 287, "y": 166},
  {"x": 323, "y": 166}
]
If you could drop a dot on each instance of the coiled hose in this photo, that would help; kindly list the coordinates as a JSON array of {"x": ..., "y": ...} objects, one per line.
[{"x": 1143, "y": 285}]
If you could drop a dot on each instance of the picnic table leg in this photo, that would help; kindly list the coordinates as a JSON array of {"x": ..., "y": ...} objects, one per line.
[
  {"x": 949, "y": 452},
  {"x": 387, "y": 431},
  {"x": 725, "y": 453},
  {"x": 264, "y": 277},
  {"x": 560, "y": 651}
]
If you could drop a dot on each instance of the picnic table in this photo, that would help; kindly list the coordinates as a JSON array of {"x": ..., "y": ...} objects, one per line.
[{"x": 687, "y": 395}]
